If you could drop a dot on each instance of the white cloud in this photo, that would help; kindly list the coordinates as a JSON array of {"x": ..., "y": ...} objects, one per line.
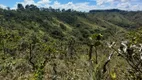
[
  {"x": 129, "y": 6},
  {"x": 120, "y": 4},
  {"x": 27, "y": 2},
  {"x": 124, "y": 5},
  {"x": 3, "y": 6},
  {"x": 85, "y": 6},
  {"x": 136, "y": 7},
  {"x": 42, "y": 3},
  {"x": 57, "y": 5},
  {"x": 101, "y": 2},
  {"x": 76, "y": 6}
]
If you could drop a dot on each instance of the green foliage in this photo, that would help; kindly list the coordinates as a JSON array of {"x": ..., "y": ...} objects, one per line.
[
  {"x": 63, "y": 26},
  {"x": 53, "y": 44},
  {"x": 135, "y": 36}
]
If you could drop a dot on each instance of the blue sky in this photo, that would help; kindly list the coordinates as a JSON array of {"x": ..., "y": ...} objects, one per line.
[{"x": 80, "y": 5}]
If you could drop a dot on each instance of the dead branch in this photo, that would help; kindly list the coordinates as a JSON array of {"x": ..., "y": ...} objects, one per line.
[{"x": 108, "y": 60}]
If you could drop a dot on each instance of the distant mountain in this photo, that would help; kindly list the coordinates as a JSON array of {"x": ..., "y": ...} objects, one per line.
[
  {"x": 127, "y": 19},
  {"x": 108, "y": 10}
]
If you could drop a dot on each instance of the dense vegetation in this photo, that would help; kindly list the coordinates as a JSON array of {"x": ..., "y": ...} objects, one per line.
[{"x": 53, "y": 44}]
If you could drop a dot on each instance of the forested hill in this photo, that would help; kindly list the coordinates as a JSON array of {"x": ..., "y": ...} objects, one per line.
[
  {"x": 121, "y": 18},
  {"x": 65, "y": 23}
]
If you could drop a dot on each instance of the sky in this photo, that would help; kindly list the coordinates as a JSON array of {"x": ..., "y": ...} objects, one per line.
[{"x": 79, "y": 5}]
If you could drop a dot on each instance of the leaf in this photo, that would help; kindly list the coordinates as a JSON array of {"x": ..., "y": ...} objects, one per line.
[{"x": 113, "y": 75}]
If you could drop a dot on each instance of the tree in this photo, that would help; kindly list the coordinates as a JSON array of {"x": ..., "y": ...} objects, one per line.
[
  {"x": 20, "y": 6},
  {"x": 32, "y": 7},
  {"x": 27, "y": 7}
]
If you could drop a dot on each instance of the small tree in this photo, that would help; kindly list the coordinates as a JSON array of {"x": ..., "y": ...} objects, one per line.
[{"x": 94, "y": 41}]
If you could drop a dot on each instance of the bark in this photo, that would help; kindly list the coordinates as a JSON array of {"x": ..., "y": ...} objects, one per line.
[
  {"x": 105, "y": 64},
  {"x": 90, "y": 52}
]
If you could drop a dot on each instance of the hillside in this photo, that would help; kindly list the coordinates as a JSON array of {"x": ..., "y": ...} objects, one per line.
[
  {"x": 52, "y": 44},
  {"x": 68, "y": 21}
]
